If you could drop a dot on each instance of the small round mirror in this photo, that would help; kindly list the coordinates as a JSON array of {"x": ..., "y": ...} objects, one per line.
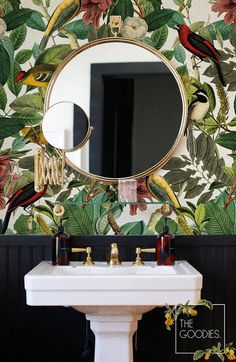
[{"x": 66, "y": 126}]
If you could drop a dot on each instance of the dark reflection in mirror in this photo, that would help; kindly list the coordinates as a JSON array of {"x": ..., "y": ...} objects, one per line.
[
  {"x": 65, "y": 126},
  {"x": 136, "y": 111}
]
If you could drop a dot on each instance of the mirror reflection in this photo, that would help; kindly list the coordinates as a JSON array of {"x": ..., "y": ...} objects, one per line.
[
  {"x": 65, "y": 126},
  {"x": 135, "y": 103}
]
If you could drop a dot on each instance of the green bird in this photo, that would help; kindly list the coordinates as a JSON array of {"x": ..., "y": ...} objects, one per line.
[{"x": 63, "y": 13}]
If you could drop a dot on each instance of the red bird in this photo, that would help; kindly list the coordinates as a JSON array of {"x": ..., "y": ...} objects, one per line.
[
  {"x": 200, "y": 47},
  {"x": 23, "y": 197}
]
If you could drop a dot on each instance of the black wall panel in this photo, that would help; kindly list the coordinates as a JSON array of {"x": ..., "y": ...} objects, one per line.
[{"x": 33, "y": 334}]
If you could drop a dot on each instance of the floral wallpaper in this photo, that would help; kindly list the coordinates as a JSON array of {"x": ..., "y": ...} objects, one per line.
[{"x": 200, "y": 180}]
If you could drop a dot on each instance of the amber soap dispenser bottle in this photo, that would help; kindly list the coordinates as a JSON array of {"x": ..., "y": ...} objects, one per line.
[
  {"x": 165, "y": 246},
  {"x": 60, "y": 241}
]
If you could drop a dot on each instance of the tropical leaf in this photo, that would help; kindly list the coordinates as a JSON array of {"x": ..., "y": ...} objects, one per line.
[
  {"x": 23, "y": 56},
  {"x": 3, "y": 98},
  {"x": 13, "y": 86},
  {"x": 211, "y": 95},
  {"x": 27, "y": 163},
  {"x": 77, "y": 221},
  {"x": 159, "y": 37},
  {"x": 36, "y": 21},
  {"x": 156, "y": 20},
  {"x": 219, "y": 222},
  {"x": 16, "y": 18},
  {"x": 102, "y": 225},
  {"x": 224, "y": 29},
  {"x": 30, "y": 119},
  {"x": 227, "y": 140},
  {"x": 204, "y": 197},
  {"x": 19, "y": 142},
  {"x": 4, "y": 65},
  {"x": 231, "y": 208},
  {"x": 134, "y": 228},
  {"x": 53, "y": 55},
  {"x": 124, "y": 8},
  {"x": 78, "y": 27},
  {"x": 176, "y": 19},
  {"x": 42, "y": 209},
  {"x": 63, "y": 196},
  {"x": 24, "y": 225},
  {"x": 7, "y": 44},
  {"x": 168, "y": 54},
  {"x": 200, "y": 214},
  {"x": 28, "y": 104},
  {"x": 9, "y": 127},
  {"x": 173, "y": 226},
  {"x": 195, "y": 191},
  {"x": 18, "y": 36},
  {"x": 176, "y": 163},
  {"x": 179, "y": 54}
]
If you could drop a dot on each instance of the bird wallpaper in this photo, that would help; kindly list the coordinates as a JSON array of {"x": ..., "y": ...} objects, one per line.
[{"x": 199, "y": 38}]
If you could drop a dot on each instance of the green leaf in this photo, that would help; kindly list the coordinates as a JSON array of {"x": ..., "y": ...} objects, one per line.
[
  {"x": 190, "y": 194},
  {"x": 19, "y": 142},
  {"x": 227, "y": 140},
  {"x": 36, "y": 51},
  {"x": 8, "y": 45},
  {"x": 16, "y": 18},
  {"x": 159, "y": 37},
  {"x": 4, "y": 65},
  {"x": 28, "y": 104},
  {"x": 175, "y": 163},
  {"x": 29, "y": 119},
  {"x": 102, "y": 225},
  {"x": 79, "y": 28},
  {"x": 13, "y": 86},
  {"x": 37, "y": 2},
  {"x": 124, "y": 8},
  {"x": 179, "y": 54},
  {"x": 42, "y": 209},
  {"x": 173, "y": 226},
  {"x": 9, "y": 127},
  {"x": 179, "y": 2},
  {"x": 156, "y": 20},
  {"x": 201, "y": 146},
  {"x": 231, "y": 208},
  {"x": 186, "y": 211},
  {"x": 64, "y": 195},
  {"x": 182, "y": 70},
  {"x": 23, "y": 225},
  {"x": 220, "y": 222},
  {"x": 216, "y": 185},
  {"x": 198, "y": 355},
  {"x": 224, "y": 29},
  {"x": 27, "y": 163},
  {"x": 204, "y": 197},
  {"x": 232, "y": 123},
  {"x": 77, "y": 222},
  {"x": 36, "y": 21},
  {"x": 211, "y": 95},
  {"x": 23, "y": 56},
  {"x": 168, "y": 54},
  {"x": 200, "y": 214},
  {"x": 178, "y": 177},
  {"x": 3, "y": 98},
  {"x": 53, "y": 55},
  {"x": 134, "y": 228},
  {"x": 195, "y": 27},
  {"x": 18, "y": 36},
  {"x": 176, "y": 19}
]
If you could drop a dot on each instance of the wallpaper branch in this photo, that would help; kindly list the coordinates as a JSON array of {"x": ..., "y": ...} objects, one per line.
[{"x": 200, "y": 180}]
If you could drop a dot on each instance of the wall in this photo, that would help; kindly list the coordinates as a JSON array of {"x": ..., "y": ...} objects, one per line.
[{"x": 202, "y": 171}]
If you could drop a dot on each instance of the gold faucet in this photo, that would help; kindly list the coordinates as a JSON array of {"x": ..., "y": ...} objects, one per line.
[
  {"x": 114, "y": 256},
  {"x": 87, "y": 250},
  {"x": 138, "y": 260}
]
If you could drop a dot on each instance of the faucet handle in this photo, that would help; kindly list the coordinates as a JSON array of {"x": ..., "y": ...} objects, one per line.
[
  {"x": 114, "y": 255},
  {"x": 138, "y": 260},
  {"x": 88, "y": 261}
]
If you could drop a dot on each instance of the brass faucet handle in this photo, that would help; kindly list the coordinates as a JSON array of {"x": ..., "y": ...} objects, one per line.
[
  {"x": 138, "y": 260},
  {"x": 114, "y": 256},
  {"x": 88, "y": 261}
]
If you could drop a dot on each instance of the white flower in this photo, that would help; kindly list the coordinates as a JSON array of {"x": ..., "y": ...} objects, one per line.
[
  {"x": 3, "y": 26},
  {"x": 134, "y": 28}
]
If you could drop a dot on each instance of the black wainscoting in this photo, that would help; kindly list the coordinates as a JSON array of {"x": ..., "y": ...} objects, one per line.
[{"x": 34, "y": 334}]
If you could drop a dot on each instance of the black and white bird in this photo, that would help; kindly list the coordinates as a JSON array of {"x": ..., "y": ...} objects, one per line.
[{"x": 197, "y": 111}]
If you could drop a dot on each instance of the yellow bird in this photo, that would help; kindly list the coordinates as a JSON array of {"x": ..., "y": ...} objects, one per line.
[
  {"x": 63, "y": 13},
  {"x": 38, "y": 76}
]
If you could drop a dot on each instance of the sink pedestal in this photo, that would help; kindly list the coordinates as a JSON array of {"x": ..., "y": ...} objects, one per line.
[{"x": 114, "y": 328}]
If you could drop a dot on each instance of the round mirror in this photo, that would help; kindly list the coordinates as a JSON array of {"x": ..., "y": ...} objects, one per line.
[
  {"x": 66, "y": 126},
  {"x": 135, "y": 101}
]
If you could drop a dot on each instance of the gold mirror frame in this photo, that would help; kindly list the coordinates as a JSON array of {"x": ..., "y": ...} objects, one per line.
[{"x": 176, "y": 75}]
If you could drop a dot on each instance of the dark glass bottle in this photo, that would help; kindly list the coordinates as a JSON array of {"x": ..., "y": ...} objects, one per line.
[
  {"x": 165, "y": 247},
  {"x": 60, "y": 247}
]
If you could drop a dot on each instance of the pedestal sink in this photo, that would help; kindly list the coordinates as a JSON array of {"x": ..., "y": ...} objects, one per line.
[{"x": 113, "y": 298}]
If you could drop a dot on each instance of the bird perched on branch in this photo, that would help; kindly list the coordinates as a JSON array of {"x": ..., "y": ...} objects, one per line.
[
  {"x": 63, "y": 13},
  {"x": 200, "y": 47},
  {"x": 38, "y": 76},
  {"x": 24, "y": 198},
  {"x": 197, "y": 111}
]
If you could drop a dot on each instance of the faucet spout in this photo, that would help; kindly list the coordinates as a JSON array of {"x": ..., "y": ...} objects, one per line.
[{"x": 114, "y": 256}]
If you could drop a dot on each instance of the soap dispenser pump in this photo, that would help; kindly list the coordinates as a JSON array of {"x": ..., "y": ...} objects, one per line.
[
  {"x": 165, "y": 245},
  {"x": 60, "y": 241}
]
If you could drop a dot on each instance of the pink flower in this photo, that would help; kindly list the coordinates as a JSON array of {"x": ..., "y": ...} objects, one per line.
[
  {"x": 93, "y": 10},
  {"x": 225, "y": 6},
  {"x": 142, "y": 194},
  {"x": 8, "y": 179}
]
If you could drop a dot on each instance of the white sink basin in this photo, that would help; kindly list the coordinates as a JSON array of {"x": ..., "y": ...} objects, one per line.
[{"x": 113, "y": 298}]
